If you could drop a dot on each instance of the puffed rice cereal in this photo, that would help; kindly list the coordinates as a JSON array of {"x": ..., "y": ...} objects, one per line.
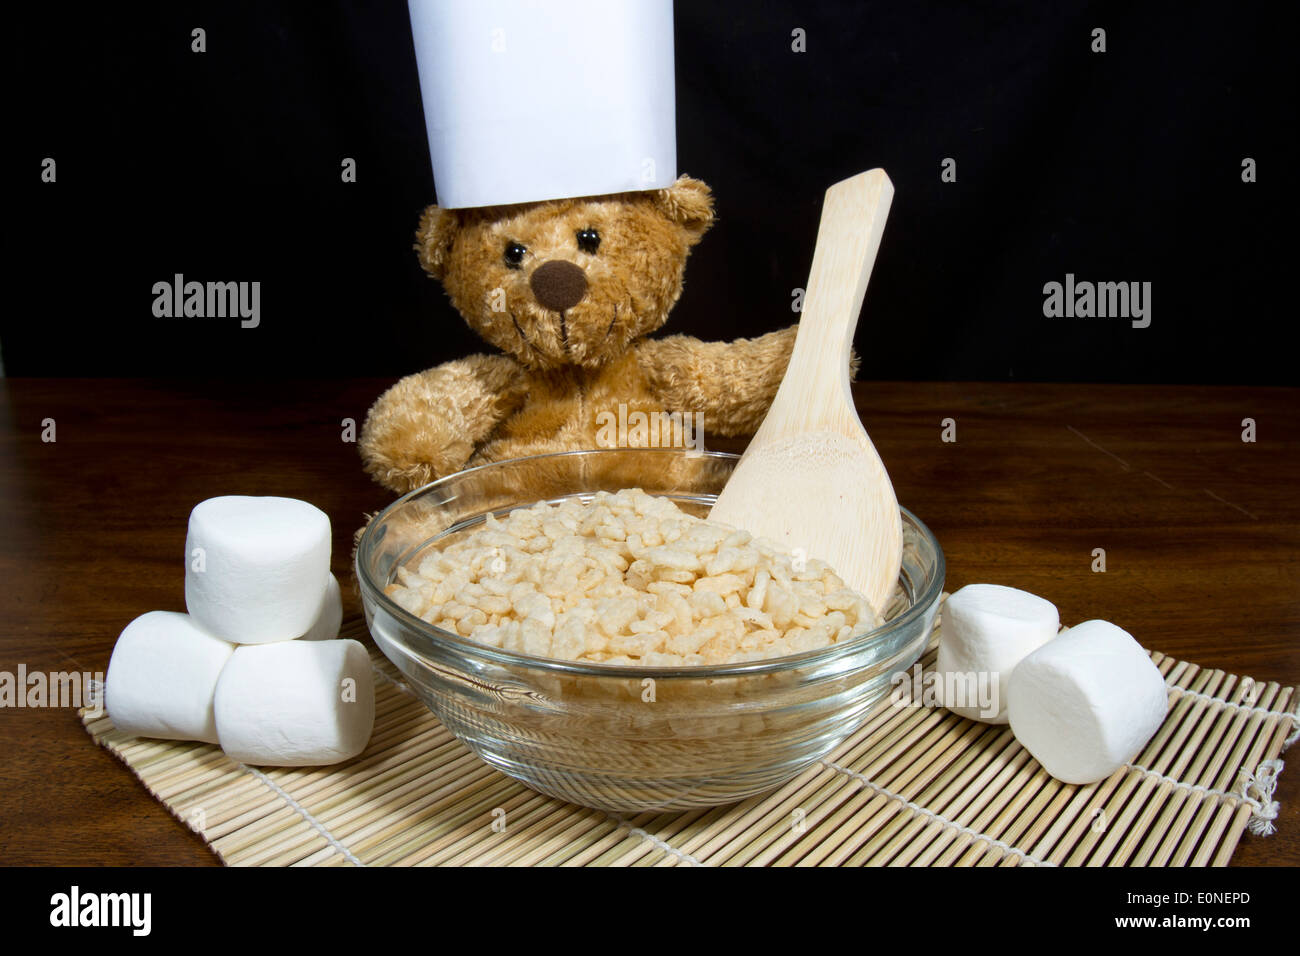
[{"x": 630, "y": 578}]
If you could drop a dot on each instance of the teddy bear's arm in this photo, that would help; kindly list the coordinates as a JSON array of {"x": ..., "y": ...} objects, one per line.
[
  {"x": 731, "y": 383},
  {"x": 428, "y": 424}
]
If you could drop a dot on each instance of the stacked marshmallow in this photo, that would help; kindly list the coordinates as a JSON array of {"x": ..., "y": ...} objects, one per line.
[
  {"x": 255, "y": 665},
  {"x": 1083, "y": 703}
]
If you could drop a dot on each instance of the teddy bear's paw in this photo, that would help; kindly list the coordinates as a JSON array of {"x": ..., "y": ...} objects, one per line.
[
  {"x": 406, "y": 461},
  {"x": 403, "y": 450}
]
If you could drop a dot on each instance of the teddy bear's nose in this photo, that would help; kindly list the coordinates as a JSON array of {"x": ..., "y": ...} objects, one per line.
[{"x": 558, "y": 285}]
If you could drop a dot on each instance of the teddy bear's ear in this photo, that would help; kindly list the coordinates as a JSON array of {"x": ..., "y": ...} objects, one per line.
[
  {"x": 688, "y": 202},
  {"x": 434, "y": 237}
]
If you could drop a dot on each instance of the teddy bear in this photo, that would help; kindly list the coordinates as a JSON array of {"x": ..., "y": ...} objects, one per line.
[{"x": 569, "y": 292}]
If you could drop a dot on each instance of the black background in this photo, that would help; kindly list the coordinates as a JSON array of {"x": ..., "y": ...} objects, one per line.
[
  {"x": 1081, "y": 901},
  {"x": 225, "y": 165}
]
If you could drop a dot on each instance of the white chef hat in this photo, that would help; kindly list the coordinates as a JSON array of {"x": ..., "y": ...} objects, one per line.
[{"x": 546, "y": 99}]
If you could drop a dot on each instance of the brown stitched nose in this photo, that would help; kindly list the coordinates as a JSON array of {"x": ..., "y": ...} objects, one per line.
[{"x": 558, "y": 285}]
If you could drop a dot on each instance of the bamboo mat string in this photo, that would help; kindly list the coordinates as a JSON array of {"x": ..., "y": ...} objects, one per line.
[
  {"x": 303, "y": 812},
  {"x": 1263, "y": 782},
  {"x": 655, "y": 841},
  {"x": 1293, "y": 715},
  {"x": 916, "y": 808}
]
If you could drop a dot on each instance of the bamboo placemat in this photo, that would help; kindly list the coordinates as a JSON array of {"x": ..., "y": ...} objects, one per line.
[{"x": 915, "y": 786}]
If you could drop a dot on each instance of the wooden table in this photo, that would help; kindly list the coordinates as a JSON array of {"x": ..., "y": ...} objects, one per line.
[{"x": 1201, "y": 533}]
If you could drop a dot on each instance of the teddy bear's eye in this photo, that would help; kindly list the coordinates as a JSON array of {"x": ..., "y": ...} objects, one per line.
[
  {"x": 514, "y": 254},
  {"x": 588, "y": 240}
]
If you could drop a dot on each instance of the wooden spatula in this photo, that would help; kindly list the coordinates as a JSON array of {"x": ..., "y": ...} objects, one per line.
[{"x": 811, "y": 480}]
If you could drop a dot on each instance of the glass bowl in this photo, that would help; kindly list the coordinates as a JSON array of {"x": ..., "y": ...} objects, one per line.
[{"x": 629, "y": 738}]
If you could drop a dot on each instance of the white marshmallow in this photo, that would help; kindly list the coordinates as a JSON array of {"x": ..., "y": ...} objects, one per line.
[
  {"x": 162, "y": 677},
  {"x": 262, "y": 570},
  {"x": 987, "y": 630},
  {"x": 330, "y": 615},
  {"x": 296, "y": 703},
  {"x": 1087, "y": 703}
]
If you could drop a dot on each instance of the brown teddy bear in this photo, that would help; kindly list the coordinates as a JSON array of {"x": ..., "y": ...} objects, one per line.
[{"x": 568, "y": 290}]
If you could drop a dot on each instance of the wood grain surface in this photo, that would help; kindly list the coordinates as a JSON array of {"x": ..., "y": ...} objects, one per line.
[{"x": 1201, "y": 533}]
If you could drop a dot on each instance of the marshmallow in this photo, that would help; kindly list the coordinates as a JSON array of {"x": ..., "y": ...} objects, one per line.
[
  {"x": 987, "y": 630},
  {"x": 261, "y": 568},
  {"x": 296, "y": 703},
  {"x": 330, "y": 615},
  {"x": 1087, "y": 703},
  {"x": 162, "y": 677}
]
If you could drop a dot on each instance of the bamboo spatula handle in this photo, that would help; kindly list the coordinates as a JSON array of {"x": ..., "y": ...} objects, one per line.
[{"x": 853, "y": 220}]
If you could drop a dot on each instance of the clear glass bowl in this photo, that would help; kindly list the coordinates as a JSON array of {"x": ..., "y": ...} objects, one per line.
[{"x": 628, "y": 738}]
